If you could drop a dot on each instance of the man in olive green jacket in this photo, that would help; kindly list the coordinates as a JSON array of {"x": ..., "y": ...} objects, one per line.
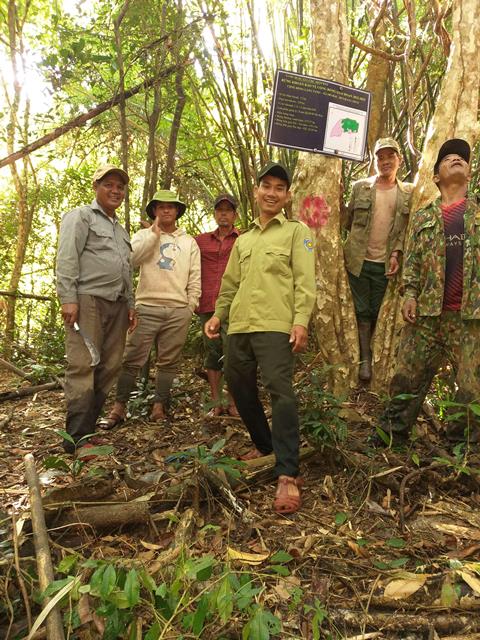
[
  {"x": 377, "y": 219},
  {"x": 441, "y": 283},
  {"x": 267, "y": 295}
]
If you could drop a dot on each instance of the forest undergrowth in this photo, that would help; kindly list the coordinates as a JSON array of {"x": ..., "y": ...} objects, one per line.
[{"x": 167, "y": 535}]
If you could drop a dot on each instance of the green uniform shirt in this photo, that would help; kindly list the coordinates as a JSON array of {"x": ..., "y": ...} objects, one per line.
[
  {"x": 269, "y": 282},
  {"x": 424, "y": 264},
  {"x": 359, "y": 219}
]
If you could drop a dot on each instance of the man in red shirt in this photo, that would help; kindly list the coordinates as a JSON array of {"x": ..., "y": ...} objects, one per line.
[{"x": 215, "y": 247}]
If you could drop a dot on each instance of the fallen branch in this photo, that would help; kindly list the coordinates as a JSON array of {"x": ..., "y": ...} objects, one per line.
[
  {"x": 17, "y": 370},
  {"x": 27, "y": 391},
  {"x": 106, "y": 516},
  {"x": 87, "y": 489},
  {"x": 441, "y": 622},
  {"x": 182, "y": 538},
  {"x": 42, "y": 549}
]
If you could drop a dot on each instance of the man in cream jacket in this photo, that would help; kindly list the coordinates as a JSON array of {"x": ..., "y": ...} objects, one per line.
[{"x": 167, "y": 294}]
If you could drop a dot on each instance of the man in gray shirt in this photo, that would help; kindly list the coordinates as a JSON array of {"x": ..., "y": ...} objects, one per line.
[{"x": 94, "y": 286}]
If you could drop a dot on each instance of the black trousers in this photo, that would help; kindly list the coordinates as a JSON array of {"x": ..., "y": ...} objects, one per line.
[{"x": 271, "y": 352}]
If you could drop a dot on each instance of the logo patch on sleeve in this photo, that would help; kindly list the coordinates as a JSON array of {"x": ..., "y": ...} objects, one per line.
[{"x": 308, "y": 244}]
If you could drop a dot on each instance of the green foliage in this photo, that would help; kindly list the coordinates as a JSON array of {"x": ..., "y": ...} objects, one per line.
[
  {"x": 320, "y": 412},
  {"x": 75, "y": 466},
  {"x": 204, "y": 457},
  {"x": 198, "y": 593}
]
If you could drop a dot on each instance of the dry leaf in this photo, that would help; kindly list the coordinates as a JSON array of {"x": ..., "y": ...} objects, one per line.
[
  {"x": 405, "y": 587},
  {"x": 247, "y": 558},
  {"x": 150, "y": 545},
  {"x": 358, "y": 550},
  {"x": 471, "y": 580},
  {"x": 282, "y": 591}
]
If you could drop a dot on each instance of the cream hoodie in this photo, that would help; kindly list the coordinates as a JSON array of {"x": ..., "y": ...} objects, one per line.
[{"x": 169, "y": 268}]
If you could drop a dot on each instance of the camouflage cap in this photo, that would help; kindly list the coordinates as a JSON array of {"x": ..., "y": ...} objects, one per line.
[
  {"x": 102, "y": 171},
  {"x": 386, "y": 143},
  {"x": 454, "y": 145},
  {"x": 274, "y": 169},
  {"x": 164, "y": 195},
  {"x": 225, "y": 196}
]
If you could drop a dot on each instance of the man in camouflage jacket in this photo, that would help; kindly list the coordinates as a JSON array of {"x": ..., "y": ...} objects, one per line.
[{"x": 441, "y": 282}]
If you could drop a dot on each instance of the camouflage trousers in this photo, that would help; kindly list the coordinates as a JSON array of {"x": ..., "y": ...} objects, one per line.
[{"x": 425, "y": 347}]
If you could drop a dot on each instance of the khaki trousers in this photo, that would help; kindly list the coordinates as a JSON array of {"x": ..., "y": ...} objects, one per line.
[
  {"x": 105, "y": 323},
  {"x": 167, "y": 328}
]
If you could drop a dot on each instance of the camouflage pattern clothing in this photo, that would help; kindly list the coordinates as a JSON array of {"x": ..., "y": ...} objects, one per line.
[
  {"x": 424, "y": 263},
  {"x": 426, "y": 346},
  {"x": 438, "y": 336},
  {"x": 359, "y": 219}
]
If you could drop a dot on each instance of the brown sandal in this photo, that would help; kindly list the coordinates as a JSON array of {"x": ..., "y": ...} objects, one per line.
[
  {"x": 253, "y": 454},
  {"x": 287, "y": 497},
  {"x": 113, "y": 420}
]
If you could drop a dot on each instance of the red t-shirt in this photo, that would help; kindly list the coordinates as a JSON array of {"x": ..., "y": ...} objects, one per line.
[
  {"x": 214, "y": 252},
  {"x": 454, "y": 237}
]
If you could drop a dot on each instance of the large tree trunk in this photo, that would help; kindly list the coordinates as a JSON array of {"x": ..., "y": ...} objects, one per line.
[
  {"x": 320, "y": 176},
  {"x": 455, "y": 116}
]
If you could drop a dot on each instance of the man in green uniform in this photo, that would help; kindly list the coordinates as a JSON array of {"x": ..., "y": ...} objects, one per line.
[
  {"x": 376, "y": 219},
  {"x": 267, "y": 296},
  {"x": 441, "y": 282}
]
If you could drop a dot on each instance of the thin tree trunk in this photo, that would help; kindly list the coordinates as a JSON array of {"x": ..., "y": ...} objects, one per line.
[{"x": 122, "y": 103}]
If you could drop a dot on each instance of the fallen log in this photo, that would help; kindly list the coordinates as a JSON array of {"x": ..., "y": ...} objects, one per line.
[
  {"x": 87, "y": 489},
  {"x": 27, "y": 391},
  {"x": 54, "y": 622},
  {"x": 105, "y": 516},
  {"x": 441, "y": 622}
]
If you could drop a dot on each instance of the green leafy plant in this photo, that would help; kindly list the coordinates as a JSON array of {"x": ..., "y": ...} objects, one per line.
[
  {"x": 203, "y": 456},
  {"x": 319, "y": 614},
  {"x": 75, "y": 466},
  {"x": 198, "y": 593},
  {"x": 321, "y": 420}
]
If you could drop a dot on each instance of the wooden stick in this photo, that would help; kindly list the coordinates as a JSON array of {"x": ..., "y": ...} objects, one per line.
[
  {"x": 21, "y": 582},
  {"x": 27, "y": 391},
  {"x": 17, "y": 370},
  {"x": 42, "y": 549}
]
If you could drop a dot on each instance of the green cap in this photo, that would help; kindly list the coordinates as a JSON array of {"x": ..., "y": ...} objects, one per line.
[
  {"x": 274, "y": 169},
  {"x": 165, "y": 195},
  {"x": 387, "y": 143}
]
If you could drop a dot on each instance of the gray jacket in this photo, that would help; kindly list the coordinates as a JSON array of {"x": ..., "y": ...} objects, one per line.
[{"x": 93, "y": 256}]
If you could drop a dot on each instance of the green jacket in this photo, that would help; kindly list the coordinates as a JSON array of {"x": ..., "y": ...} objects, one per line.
[
  {"x": 269, "y": 282},
  {"x": 359, "y": 218},
  {"x": 424, "y": 264}
]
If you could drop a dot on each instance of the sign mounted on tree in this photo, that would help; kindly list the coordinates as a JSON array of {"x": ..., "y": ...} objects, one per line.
[{"x": 319, "y": 116}]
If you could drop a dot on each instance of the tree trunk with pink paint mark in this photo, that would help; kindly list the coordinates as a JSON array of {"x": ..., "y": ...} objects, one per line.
[{"x": 317, "y": 200}]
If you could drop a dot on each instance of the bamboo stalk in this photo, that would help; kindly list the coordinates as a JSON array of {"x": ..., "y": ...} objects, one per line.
[{"x": 42, "y": 548}]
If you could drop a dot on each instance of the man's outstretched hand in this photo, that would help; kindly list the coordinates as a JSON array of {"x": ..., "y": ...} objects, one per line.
[
  {"x": 212, "y": 328},
  {"x": 298, "y": 338}
]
